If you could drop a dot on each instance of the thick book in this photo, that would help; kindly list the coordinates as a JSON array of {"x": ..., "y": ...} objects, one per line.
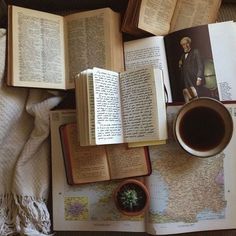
[
  {"x": 160, "y": 17},
  {"x": 100, "y": 163},
  {"x": 187, "y": 193},
  {"x": 47, "y": 50},
  {"x": 196, "y": 62},
  {"x": 125, "y": 107}
]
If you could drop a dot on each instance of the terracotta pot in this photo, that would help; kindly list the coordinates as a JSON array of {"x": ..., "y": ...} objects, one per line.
[{"x": 142, "y": 197}]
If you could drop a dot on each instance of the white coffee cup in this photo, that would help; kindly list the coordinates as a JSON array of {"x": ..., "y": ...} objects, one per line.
[{"x": 203, "y": 127}]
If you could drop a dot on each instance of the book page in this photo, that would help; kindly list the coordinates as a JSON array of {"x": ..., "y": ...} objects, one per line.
[
  {"x": 89, "y": 42},
  {"x": 127, "y": 162},
  {"x": 223, "y": 42},
  {"x": 87, "y": 164},
  {"x": 189, "y": 13},
  {"x": 114, "y": 43},
  {"x": 190, "y": 193},
  {"x": 108, "y": 119},
  {"x": 38, "y": 43},
  {"x": 88, "y": 207},
  {"x": 161, "y": 105},
  {"x": 82, "y": 108},
  {"x": 91, "y": 111},
  {"x": 139, "y": 105},
  {"x": 148, "y": 51},
  {"x": 155, "y": 16}
]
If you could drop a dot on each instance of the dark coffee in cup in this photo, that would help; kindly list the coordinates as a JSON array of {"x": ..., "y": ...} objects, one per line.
[{"x": 203, "y": 127}]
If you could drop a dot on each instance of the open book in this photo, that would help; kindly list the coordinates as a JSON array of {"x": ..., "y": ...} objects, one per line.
[
  {"x": 187, "y": 193},
  {"x": 160, "y": 17},
  {"x": 123, "y": 107},
  {"x": 198, "y": 61},
  {"x": 47, "y": 50},
  {"x": 100, "y": 163}
]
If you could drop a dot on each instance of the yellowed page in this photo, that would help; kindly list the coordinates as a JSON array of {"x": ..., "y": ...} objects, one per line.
[
  {"x": 155, "y": 16},
  {"x": 115, "y": 42},
  {"x": 90, "y": 41},
  {"x": 90, "y": 103},
  {"x": 190, "y": 13},
  {"x": 107, "y": 106},
  {"x": 127, "y": 162},
  {"x": 88, "y": 164},
  {"x": 38, "y": 49},
  {"x": 82, "y": 108},
  {"x": 143, "y": 105}
]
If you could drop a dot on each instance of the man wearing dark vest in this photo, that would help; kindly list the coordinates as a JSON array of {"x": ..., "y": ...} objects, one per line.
[{"x": 192, "y": 70}]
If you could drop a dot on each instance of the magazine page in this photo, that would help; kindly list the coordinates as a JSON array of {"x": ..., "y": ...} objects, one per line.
[
  {"x": 190, "y": 193},
  {"x": 201, "y": 62},
  {"x": 223, "y": 44},
  {"x": 87, "y": 207}
]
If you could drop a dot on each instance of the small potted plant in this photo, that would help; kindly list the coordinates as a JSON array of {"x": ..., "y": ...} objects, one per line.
[{"x": 131, "y": 197}]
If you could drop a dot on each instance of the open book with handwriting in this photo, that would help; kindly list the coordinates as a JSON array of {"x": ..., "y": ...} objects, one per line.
[
  {"x": 47, "y": 50},
  {"x": 160, "y": 17},
  {"x": 125, "y": 107}
]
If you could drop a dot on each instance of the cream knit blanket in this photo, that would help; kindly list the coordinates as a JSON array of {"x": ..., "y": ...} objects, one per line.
[{"x": 24, "y": 156}]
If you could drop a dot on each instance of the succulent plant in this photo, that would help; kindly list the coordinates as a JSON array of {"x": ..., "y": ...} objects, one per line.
[{"x": 131, "y": 197}]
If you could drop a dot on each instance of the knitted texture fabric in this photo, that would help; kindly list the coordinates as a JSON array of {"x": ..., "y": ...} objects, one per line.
[{"x": 24, "y": 156}]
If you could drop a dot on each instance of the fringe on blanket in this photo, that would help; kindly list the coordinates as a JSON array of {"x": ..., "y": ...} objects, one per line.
[
  {"x": 7, "y": 215},
  {"x": 24, "y": 216}
]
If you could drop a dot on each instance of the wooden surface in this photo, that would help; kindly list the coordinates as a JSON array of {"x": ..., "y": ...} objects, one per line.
[{"x": 210, "y": 233}]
